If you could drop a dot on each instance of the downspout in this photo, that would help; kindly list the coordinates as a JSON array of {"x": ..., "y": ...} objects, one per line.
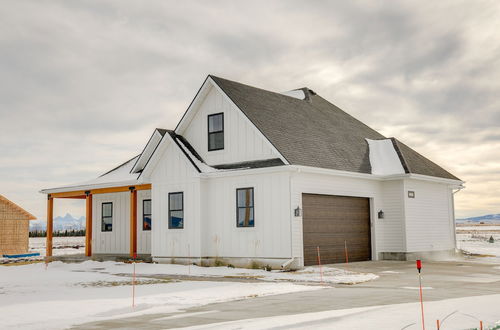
[{"x": 453, "y": 214}]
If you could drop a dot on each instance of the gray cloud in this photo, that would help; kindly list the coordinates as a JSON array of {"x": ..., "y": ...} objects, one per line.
[{"x": 83, "y": 84}]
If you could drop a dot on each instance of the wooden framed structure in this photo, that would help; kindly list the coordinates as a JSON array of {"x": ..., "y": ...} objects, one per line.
[
  {"x": 87, "y": 195},
  {"x": 14, "y": 227}
]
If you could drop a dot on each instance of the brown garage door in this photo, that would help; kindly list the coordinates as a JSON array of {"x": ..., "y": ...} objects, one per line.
[{"x": 329, "y": 222}]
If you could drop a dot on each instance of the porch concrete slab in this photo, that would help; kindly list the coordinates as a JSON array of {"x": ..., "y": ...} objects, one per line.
[{"x": 397, "y": 283}]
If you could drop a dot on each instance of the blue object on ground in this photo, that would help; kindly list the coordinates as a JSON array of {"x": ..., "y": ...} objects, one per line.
[{"x": 21, "y": 255}]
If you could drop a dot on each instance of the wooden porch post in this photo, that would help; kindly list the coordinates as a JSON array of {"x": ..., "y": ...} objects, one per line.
[
  {"x": 50, "y": 227},
  {"x": 88, "y": 224},
  {"x": 133, "y": 221}
]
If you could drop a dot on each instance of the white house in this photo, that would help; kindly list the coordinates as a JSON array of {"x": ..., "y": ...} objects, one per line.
[{"x": 250, "y": 177}]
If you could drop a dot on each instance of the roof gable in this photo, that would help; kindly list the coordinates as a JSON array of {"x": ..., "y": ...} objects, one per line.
[{"x": 8, "y": 206}]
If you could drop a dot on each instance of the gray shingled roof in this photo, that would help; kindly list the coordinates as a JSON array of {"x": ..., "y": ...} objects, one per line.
[{"x": 314, "y": 132}]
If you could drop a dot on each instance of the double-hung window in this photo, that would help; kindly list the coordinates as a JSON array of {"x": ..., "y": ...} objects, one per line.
[
  {"x": 245, "y": 207},
  {"x": 146, "y": 214},
  {"x": 216, "y": 132},
  {"x": 176, "y": 210},
  {"x": 107, "y": 217}
]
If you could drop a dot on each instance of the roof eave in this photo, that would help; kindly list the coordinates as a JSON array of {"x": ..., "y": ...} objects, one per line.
[{"x": 91, "y": 186}]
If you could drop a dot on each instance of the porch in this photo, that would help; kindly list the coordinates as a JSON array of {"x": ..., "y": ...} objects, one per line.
[{"x": 88, "y": 195}]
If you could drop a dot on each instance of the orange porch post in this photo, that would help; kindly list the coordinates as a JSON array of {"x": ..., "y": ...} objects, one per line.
[
  {"x": 50, "y": 225},
  {"x": 133, "y": 221},
  {"x": 88, "y": 224}
]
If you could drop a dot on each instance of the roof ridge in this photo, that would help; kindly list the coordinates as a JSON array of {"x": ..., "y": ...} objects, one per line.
[{"x": 262, "y": 89}]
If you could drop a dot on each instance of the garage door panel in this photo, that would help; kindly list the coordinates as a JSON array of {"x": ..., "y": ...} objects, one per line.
[{"x": 331, "y": 221}]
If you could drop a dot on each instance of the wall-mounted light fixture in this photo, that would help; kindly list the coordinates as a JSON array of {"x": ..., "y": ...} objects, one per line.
[
  {"x": 380, "y": 214},
  {"x": 297, "y": 212},
  {"x": 411, "y": 194}
]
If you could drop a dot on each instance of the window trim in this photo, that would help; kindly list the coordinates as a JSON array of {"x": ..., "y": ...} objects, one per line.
[
  {"x": 102, "y": 217},
  {"x": 150, "y": 214},
  {"x": 241, "y": 207},
  {"x": 221, "y": 131},
  {"x": 170, "y": 210}
]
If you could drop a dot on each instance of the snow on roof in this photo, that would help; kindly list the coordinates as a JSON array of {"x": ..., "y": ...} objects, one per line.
[
  {"x": 296, "y": 93},
  {"x": 120, "y": 175},
  {"x": 384, "y": 159}
]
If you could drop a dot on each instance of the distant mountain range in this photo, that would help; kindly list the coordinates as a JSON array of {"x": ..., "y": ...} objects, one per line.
[
  {"x": 490, "y": 218},
  {"x": 68, "y": 222}
]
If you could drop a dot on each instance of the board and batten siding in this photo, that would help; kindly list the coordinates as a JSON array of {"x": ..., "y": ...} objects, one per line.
[
  {"x": 429, "y": 217},
  {"x": 174, "y": 173},
  {"x": 391, "y": 229},
  {"x": 143, "y": 236},
  {"x": 271, "y": 235},
  {"x": 116, "y": 241},
  {"x": 242, "y": 140}
]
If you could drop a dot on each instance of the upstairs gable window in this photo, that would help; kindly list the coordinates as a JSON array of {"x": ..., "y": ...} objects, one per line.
[{"x": 216, "y": 131}]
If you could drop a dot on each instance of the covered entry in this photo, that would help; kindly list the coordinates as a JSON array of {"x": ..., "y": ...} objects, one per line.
[{"x": 332, "y": 222}]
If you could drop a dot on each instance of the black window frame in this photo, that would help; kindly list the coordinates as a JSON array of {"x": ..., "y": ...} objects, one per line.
[
  {"x": 170, "y": 210},
  {"x": 144, "y": 214},
  {"x": 216, "y": 132},
  {"x": 103, "y": 230},
  {"x": 245, "y": 207}
]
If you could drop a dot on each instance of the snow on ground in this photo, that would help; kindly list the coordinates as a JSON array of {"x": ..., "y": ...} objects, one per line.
[
  {"x": 475, "y": 240},
  {"x": 327, "y": 275},
  {"x": 61, "y": 245},
  {"x": 59, "y": 295},
  {"x": 460, "y": 313}
]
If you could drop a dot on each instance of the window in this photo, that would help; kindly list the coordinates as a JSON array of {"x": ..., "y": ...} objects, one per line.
[
  {"x": 107, "y": 217},
  {"x": 146, "y": 214},
  {"x": 216, "y": 132},
  {"x": 176, "y": 210},
  {"x": 244, "y": 207}
]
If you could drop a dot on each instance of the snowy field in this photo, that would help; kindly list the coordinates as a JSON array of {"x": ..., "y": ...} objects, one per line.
[
  {"x": 59, "y": 295},
  {"x": 476, "y": 240},
  {"x": 61, "y": 245}
]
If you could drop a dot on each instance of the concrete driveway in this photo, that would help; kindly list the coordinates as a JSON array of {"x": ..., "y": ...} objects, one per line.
[{"x": 397, "y": 283}]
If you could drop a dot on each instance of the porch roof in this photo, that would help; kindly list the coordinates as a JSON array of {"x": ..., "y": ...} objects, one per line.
[{"x": 117, "y": 177}]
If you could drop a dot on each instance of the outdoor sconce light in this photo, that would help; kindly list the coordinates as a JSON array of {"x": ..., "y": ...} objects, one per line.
[
  {"x": 297, "y": 212},
  {"x": 380, "y": 214}
]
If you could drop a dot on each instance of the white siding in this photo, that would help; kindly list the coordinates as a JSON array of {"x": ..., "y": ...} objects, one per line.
[
  {"x": 143, "y": 236},
  {"x": 391, "y": 230},
  {"x": 242, "y": 141},
  {"x": 271, "y": 236},
  {"x": 429, "y": 217},
  {"x": 116, "y": 241},
  {"x": 174, "y": 173}
]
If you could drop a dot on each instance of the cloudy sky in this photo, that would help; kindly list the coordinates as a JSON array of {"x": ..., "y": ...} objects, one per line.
[{"x": 83, "y": 84}]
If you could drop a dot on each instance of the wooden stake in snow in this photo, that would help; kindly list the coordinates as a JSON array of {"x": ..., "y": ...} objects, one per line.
[
  {"x": 189, "y": 261},
  {"x": 346, "y": 254},
  {"x": 480, "y": 325},
  {"x": 419, "y": 268},
  {"x": 133, "y": 282},
  {"x": 319, "y": 263},
  {"x": 437, "y": 322}
]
